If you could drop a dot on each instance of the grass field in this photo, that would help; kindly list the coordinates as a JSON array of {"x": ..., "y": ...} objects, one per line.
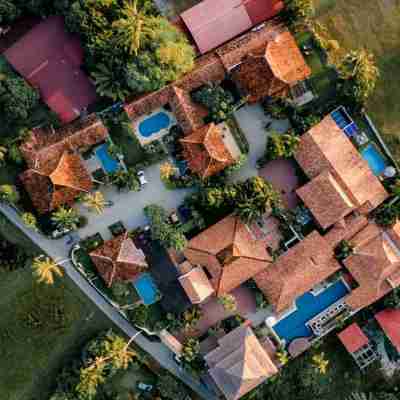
[
  {"x": 41, "y": 328},
  {"x": 374, "y": 24}
]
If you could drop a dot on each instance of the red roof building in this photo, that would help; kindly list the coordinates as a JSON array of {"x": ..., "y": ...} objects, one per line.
[
  {"x": 353, "y": 338},
  {"x": 389, "y": 321},
  {"x": 214, "y": 22},
  {"x": 205, "y": 150},
  {"x": 49, "y": 58},
  {"x": 119, "y": 259}
]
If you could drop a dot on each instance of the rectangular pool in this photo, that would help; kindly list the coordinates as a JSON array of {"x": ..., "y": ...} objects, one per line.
[
  {"x": 146, "y": 288},
  {"x": 154, "y": 123},
  {"x": 308, "y": 306},
  {"x": 375, "y": 160},
  {"x": 109, "y": 163}
]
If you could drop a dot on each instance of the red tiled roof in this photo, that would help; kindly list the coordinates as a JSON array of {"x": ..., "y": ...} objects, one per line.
[
  {"x": 205, "y": 151},
  {"x": 374, "y": 265},
  {"x": 51, "y": 189},
  {"x": 45, "y": 146},
  {"x": 196, "y": 285},
  {"x": 326, "y": 199},
  {"x": 119, "y": 259},
  {"x": 324, "y": 148},
  {"x": 389, "y": 321},
  {"x": 214, "y": 22},
  {"x": 353, "y": 338},
  {"x": 239, "y": 363},
  {"x": 229, "y": 253},
  {"x": 297, "y": 271},
  {"x": 50, "y": 59}
]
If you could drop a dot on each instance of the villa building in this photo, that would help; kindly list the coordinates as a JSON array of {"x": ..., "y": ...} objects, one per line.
[
  {"x": 205, "y": 150},
  {"x": 119, "y": 259},
  {"x": 57, "y": 173}
]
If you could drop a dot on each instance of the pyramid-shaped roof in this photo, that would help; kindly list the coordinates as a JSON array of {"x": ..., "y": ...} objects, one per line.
[
  {"x": 239, "y": 363},
  {"x": 229, "y": 252},
  {"x": 119, "y": 259}
]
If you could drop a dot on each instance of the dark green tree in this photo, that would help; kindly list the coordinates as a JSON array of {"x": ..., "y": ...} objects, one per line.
[
  {"x": 170, "y": 388},
  {"x": 9, "y": 12}
]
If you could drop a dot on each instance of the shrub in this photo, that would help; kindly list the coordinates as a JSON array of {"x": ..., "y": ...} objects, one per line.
[
  {"x": 281, "y": 146},
  {"x": 343, "y": 250}
]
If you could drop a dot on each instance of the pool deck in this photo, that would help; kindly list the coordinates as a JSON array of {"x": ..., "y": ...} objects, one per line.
[{"x": 146, "y": 140}]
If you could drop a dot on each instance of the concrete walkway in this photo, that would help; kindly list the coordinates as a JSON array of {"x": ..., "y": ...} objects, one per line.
[
  {"x": 58, "y": 250},
  {"x": 252, "y": 121},
  {"x": 128, "y": 206}
]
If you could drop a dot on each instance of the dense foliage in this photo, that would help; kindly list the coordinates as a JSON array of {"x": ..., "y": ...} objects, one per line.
[
  {"x": 281, "y": 146},
  {"x": 170, "y": 235},
  {"x": 219, "y": 102},
  {"x": 12, "y": 256},
  {"x": 298, "y": 11},
  {"x": 129, "y": 48},
  {"x": 249, "y": 199}
]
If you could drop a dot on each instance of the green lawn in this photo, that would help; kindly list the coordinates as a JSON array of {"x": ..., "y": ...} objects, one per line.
[
  {"x": 41, "y": 328},
  {"x": 374, "y": 24}
]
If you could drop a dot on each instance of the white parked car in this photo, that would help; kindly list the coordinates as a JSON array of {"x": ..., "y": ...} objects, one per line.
[
  {"x": 142, "y": 178},
  {"x": 145, "y": 387}
]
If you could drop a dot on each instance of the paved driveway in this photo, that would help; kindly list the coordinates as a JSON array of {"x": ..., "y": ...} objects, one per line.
[
  {"x": 128, "y": 206},
  {"x": 252, "y": 121}
]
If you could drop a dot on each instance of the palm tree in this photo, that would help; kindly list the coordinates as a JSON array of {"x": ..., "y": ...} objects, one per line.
[
  {"x": 9, "y": 194},
  {"x": 167, "y": 170},
  {"x": 29, "y": 221},
  {"x": 228, "y": 301},
  {"x": 66, "y": 218},
  {"x": 45, "y": 269},
  {"x": 95, "y": 201},
  {"x": 320, "y": 363},
  {"x": 134, "y": 28},
  {"x": 3, "y": 153}
]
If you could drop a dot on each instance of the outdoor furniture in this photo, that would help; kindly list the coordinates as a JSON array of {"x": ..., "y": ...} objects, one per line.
[{"x": 117, "y": 228}]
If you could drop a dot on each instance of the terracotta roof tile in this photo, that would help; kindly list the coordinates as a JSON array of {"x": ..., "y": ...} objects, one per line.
[
  {"x": 229, "y": 253},
  {"x": 297, "y": 271},
  {"x": 59, "y": 187},
  {"x": 206, "y": 152},
  {"x": 353, "y": 338},
  {"x": 196, "y": 285},
  {"x": 326, "y": 148},
  {"x": 119, "y": 259},
  {"x": 326, "y": 199},
  {"x": 389, "y": 321},
  {"x": 376, "y": 259},
  {"x": 239, "y": 363}
]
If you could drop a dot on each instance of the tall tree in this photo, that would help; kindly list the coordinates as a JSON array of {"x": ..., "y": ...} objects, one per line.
[
  {"x": 95, "y": 201},
  {"x": 45, "y": 269},
  {"x": 66, "y": 218}
]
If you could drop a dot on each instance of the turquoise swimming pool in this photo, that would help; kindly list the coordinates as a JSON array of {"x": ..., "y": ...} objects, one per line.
[
  {"x": 147, "y": 289},
  {"x": 109, "y": 163},
  {"x": 374, "y": 159},
  {"x": 308, "y": 306},
  {"x": 154, "y": 124}
]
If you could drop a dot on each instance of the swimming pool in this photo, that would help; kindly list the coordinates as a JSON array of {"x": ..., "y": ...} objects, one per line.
[
  {"x": 109, "y": 163},
  {"x": 154, "y": 124},
  {"x": 374, "y": 158},
  {"x": 308, "y": 306},
  {"x": 146, "y": 289}
]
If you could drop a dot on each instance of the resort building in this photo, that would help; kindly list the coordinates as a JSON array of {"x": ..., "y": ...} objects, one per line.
[
  {"x": 57, "y": 173},
  {"x": 273, "y": 69},
  {"x": 119, "y": 259},
  {"x": 205, "y": 150},
  {"x": 50, "y": 59},
  {"x": 239, "y": 363},
  {"x": 212, "y": 23}
]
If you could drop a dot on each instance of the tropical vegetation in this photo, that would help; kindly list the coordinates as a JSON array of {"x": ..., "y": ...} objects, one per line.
[
  {"x": 95, "y": 202},
  {"x": 126, "y": 179},
  {"x": 45, "y": 269},
  {"x": 65, "y": 218},
  {"x": 9, "y": 194},
  {"x": 281, "y": 145},
  {"x": 228, "y": 301}
]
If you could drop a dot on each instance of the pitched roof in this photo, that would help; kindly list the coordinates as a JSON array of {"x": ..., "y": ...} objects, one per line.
[
  {"x": 353, "y": 338},
  {"x": 297, "y": 271},
  {"x": 272, "y": 69},
  {"x": 119, "y": 259},
  {"x": 214, "y": 22},
  {"x": 375, "y": 265},
  {"x": 50, "y": 58},
  {"x": 239, "y": 363},
  {"x": 51, "y": 189},
  {"x": 325, "y": 147},
  {"x": 205, "y": 150},
  {"x": 229, "y": 253},
  {"x": 326, "y": 199},
  {"x": 389, "y": 321},
  {"x": 196, "y": 285},
  {"x": 45, "y": 146}
]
